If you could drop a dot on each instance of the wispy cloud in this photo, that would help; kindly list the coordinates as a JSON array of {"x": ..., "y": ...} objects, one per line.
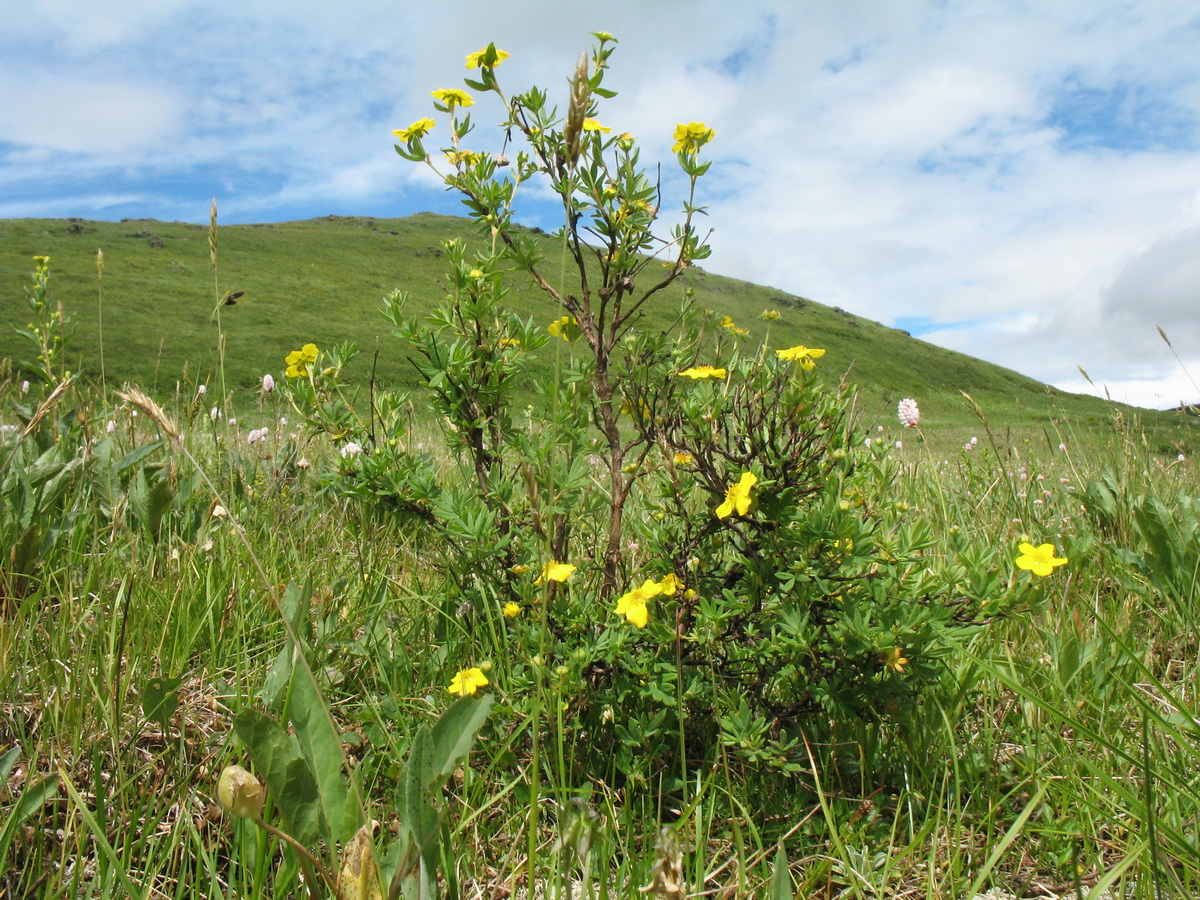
[{"x": 1019, "y": 180}]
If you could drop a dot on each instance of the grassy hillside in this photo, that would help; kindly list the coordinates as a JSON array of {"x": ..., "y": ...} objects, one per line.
[{"x": 322, "y": 280}]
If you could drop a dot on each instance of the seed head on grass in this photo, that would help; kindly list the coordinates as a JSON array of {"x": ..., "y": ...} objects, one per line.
[{"x": 135, "y": 397}]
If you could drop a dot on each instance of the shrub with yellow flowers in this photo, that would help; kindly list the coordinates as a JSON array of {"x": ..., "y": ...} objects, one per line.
[{"x": 679, "y": 546}]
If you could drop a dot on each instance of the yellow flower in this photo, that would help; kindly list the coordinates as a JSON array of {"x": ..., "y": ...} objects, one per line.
[
  {"x": 593, "y": 125},
  {"x": 684, "y": 458},
  {"x": 1039, "y": 560},
  {"x": 519, "y": 569},
  {"x": 632, "y": 605},
  {"x": 467, "y": 682},
  {"x": 671, "y": 584},
  {"x": 642, "y": 409},
  {"x": 895, "y": 660},
  {"x": 417, "y": 129},
  {"x": 475, "y": 274},
  {"x": 555, "y": 571},
  {"x": 737, "y": 496},
  {"x": 511, "y": 610},
  {"x": 487, "y": 58},
  {"x": 463, "y": 157},
  {"x": 801, "y": 354},
  {"x": 448, "y": 98},
  {"x": 691, "y": 137},
  {"x": 697, "y": 372},
  {"x": 298, "y": 361},
  {"x": 769, "y": 315},
  {"x": 728, "y": 324},
  {"x": 566, "y": 328}
]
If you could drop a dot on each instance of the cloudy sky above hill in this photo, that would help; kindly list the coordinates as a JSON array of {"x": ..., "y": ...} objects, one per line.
[{"x": 1019, "y": 181}]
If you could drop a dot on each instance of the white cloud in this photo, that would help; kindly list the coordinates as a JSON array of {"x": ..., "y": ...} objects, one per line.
[{"x": 81, "y": 116}]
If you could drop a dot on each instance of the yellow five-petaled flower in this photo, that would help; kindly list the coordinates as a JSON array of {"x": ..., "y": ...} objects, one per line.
[
  {"x": 737, "y": 496},
  {"x": 487, "y": 58},
  {"x": 691, "y": 137},
  {"x": 566, "y": 328},
  {"x": 1039, "y": 560},
  {"x": 593, "y": 125},
  {"x": 801, "y": 354},
  {"x": 555, "y": 571},
  {"x": 895, "y": 660},
  {"x": 417, "y": 129},
  {"x": 448, "y": 98},
  {"x": 298, "y": 361},
  {"x": 698, "y": 372},
  {"x": 732, "y": 327},
  {"x": 467, "y": 682}
]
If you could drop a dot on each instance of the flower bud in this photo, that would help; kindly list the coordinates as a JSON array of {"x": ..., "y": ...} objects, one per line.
[{"x": 240, "y": 793}]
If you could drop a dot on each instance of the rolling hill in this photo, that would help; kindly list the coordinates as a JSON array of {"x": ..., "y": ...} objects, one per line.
[{"x": 322, "y": 280}]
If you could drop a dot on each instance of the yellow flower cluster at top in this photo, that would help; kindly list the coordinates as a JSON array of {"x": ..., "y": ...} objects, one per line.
[
  {"x": 632, "y": 605},
  {"x": 487, "y": 58},
  {"x": 691, "y": 137},
  {"x": 446, "y": 99}
]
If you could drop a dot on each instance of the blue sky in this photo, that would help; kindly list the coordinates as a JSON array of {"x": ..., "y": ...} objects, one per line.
[{"x": 1019, "y": 181}]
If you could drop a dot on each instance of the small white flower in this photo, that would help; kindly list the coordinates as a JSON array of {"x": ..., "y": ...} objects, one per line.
[
  {"x": 24, "y": 387},
  {"x": 219, "y": 512},
  {"x": 1062, "y": 447},
  {"x": 233, "y": 423},
  {"x": 201, "y": 389},
  {"x": 302, "y": 463},
  {"x": 908, "y": 413},
  {"x": 268, "y": 383},
  {"x": 283, "y": 420},
  {"x": 351, "y": 449},
  {"x": 899, "y": 445},
  {"x": 968, "y": 446},
  {"x": 214, "y": 413},
  {"x": 974, "y": 441},
  {"x": 1180, "y": 458},
  {"x": 879, "y": 428},
  {"x": 111, "y": 426}
]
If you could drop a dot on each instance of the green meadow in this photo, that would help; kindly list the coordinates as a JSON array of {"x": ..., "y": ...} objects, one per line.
[
  {"x": 323, "y": 280},
  {"x": 152, "y": 589}
]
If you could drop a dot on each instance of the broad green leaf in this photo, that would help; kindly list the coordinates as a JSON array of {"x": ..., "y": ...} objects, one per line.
[
  {"x": 321, "y": 744},
  {"x": 286, "y": 772},
  {"x": 296, "y": 604},
  {"x": 781, "y": 878},
  {"x": 453, "y": 734}
]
